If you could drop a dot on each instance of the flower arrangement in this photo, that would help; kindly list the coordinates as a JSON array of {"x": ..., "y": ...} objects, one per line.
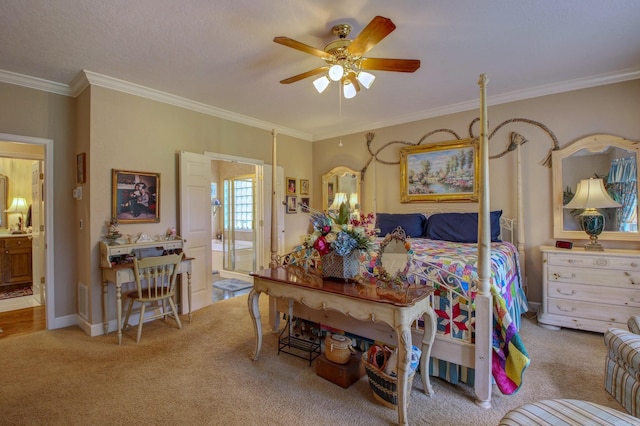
[{"x": 341, "y": 232}]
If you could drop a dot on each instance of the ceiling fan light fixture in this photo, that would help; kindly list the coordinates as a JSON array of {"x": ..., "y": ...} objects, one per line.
[
  {"x": 366, "y": 79},
  {"x": 336, "y": 72},
  {"x": 349, "y": 89},
  {"x": 321, "y": 83}
]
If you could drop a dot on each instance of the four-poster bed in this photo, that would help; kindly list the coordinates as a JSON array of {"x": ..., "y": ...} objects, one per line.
[{"x": 476, "y": 351}]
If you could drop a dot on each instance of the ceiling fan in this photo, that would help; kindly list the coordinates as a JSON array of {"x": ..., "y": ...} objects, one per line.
[{"x": 345, "y": 58}]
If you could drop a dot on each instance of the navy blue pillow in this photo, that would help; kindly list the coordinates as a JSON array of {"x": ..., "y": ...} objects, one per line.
[
  {"x": 460, "y": 227},
  {"x": 413, "y": 223}
]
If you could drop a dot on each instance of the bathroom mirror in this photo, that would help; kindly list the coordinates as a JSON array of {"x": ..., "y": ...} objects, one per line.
[
  {"x": 3, "y": 201},
  {"x": 611, "y": 158},
  {"x": 341, "y": 180}
]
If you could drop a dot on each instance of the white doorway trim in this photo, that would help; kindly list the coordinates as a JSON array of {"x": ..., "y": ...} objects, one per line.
[
  {"x": 48, "y": 221},
  {"x": 259, "y": 237}
]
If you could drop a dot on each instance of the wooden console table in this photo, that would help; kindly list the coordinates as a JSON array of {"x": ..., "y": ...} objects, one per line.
[{"x": 357, "y": 301}]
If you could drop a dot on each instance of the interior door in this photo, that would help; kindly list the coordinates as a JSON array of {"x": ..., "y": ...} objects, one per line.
[
  {"x": 37, "y": 242},
  {"x": 195, "y": 226}
]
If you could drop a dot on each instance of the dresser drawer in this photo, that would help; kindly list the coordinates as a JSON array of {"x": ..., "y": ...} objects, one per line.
[
  {"x": 15, "y": 243},
  {"x": 599, "y": 277},
  {"x": 592, "y": 311},
  {"x": 594, "y": 261},
  {"x": 595, "y": 294}
]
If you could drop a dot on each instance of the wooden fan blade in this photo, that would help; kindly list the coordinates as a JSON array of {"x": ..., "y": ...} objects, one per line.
[
  {"x": 352, "y": 77},
  {"x": 386, "y": 64},
  {"x": 286, "y": 41},
  {"x": 376, "y": 30},
  {"x": 304, "y": 75}
]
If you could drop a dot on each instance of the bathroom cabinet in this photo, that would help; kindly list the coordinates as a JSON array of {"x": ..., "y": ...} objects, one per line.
[{"x": 15, "y": 261}]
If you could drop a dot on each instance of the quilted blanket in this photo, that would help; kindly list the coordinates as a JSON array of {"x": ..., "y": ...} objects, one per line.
[
  {"x": 510, "y": 357},
  {"x": 453, "y": 304}
]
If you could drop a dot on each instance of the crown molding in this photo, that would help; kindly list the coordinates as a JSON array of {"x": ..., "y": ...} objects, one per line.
[
  {"x": 535, "y": 92},
  {"x": 34, "y": 83},
  {"x": 86, "y": 78},
  {"x": 96, "y": 79}
]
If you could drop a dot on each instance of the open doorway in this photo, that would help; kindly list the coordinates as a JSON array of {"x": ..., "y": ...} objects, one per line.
[{"x": 23, "y": 293}]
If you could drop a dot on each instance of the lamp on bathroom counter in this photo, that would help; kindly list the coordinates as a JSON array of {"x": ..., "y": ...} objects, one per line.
[
  {"x": 591, "y": 195},
  {"x": 18, "y": 205}
]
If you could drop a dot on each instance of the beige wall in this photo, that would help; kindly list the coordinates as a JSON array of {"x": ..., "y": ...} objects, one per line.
[
  {"x": 134, "y": 133},
  {"x": 33, "y": 113},
  {"x": 613, "y": 109}
]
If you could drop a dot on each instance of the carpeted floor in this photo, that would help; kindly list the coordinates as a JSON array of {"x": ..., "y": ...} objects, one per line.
[
  {"x": 203, "y": 375},
  {"x": 18, "y": 292}
]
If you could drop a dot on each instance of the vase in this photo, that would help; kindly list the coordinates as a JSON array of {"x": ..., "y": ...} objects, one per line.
[{"x": 336, "y": 266}]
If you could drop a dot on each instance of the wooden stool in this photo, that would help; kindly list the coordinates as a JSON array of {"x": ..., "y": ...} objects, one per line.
[{"x": 566, "y": 412}]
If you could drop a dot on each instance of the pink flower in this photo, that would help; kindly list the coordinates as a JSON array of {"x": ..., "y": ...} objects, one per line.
[{"x": 321, "y": 246}]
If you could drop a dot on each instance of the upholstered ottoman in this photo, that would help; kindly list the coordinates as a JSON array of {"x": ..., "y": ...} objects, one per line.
[{"x": 566, "y": 412}]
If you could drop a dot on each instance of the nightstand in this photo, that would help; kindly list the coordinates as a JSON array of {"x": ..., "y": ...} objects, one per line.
[{"x": 589, "y": 290}]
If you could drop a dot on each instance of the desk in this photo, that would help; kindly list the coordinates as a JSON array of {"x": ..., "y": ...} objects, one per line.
[
  {"x": 358, "y": 301},
  {"x": 123, "y": 273}
]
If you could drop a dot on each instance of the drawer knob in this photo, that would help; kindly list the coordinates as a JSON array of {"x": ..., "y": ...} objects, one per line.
[
  {"x": 564, "y": 309},
  {"x": 634, "y": 265},
  {"x": 566, "y": 293}
]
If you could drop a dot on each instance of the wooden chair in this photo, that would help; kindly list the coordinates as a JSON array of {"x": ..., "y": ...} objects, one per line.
[{"x": 155, "y": 285}]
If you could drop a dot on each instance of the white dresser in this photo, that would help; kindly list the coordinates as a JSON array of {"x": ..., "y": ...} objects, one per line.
[{"x": 589, "y": 290}]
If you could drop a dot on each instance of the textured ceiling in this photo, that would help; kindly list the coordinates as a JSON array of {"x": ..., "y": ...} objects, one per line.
[{"x": 221, "y": 53}]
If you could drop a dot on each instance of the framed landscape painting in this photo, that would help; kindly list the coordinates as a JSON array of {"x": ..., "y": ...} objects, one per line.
[
  {"x": 445, "y": 171},
  {"x": 135, "y": 196}
]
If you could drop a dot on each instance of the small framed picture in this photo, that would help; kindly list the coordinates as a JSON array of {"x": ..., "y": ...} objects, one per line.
[
  {"x": 81, "y": 167},
  {"x": 292, "y": 204},
  {"x": 304, "y": 204},
  {"x": 292, "y": 186},
  {"x": 304, "y": 186}
]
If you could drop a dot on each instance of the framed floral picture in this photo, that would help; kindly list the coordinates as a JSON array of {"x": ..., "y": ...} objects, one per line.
[
  {"x": 446, "y": 171},
  {"x": 135, "y": 196}
]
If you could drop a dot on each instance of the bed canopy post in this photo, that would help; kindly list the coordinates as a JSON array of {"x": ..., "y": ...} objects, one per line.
[
  {"x": 274, "y": 200},
  {"x": 520, "y": 215},
  {"x": 483, "y": 298}
]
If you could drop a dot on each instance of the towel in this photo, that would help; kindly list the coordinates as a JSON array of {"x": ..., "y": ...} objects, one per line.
[{"x": 510, "y": 358}]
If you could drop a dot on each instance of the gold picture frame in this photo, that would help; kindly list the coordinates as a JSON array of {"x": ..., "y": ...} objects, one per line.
[
  {"x": 292, "y": 186},
  {"x": 304, "y": 186},
  {"x": 440, "y": 172},
  {"x": 135, "y": 196},
  {"x": 81, "y": 167}
]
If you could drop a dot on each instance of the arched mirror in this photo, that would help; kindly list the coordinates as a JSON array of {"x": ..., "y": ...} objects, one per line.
[
  {"x": 341, "y": 184},
  {"x": 610, "y": 158}
]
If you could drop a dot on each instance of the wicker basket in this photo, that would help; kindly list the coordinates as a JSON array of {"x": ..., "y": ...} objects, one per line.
[
  {"x": 345, "y": 267},
  {"x": 384, "y": 386}
]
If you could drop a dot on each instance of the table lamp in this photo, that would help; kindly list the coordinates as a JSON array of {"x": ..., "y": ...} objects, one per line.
[
  {"x": 18, "y": 205},
  {"x": 591, "y": 195}
]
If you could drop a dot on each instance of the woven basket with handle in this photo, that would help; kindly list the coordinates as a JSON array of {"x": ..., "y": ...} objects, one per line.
[{"x": 383, "y": 386}]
